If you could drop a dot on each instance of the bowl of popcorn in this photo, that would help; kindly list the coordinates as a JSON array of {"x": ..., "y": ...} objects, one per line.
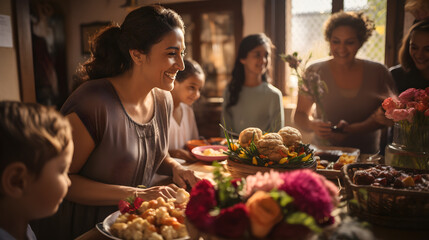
[{"x": 210, "y": 153}]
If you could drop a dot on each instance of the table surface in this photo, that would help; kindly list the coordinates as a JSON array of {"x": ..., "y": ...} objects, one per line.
[{"x": 204, "y": 170}]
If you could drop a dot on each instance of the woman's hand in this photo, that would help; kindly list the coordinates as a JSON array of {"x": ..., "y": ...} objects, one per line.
[
  {"x": 184, "y": 178},
  {"x": 182, "y": 154},
  {"x": 320, "y": 128},
  {"x": 380, "y": 118},
  {"x": 152, "y": 193},
  {"x": 338, "y": 132}
]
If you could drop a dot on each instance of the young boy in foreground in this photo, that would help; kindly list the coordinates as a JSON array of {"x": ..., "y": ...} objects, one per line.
[{"x": 36, "y": 149}]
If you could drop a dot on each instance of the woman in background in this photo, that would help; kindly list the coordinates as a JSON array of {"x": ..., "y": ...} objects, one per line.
[
  {"x": 183, "y": 126},
  {"x": 413, "y": 70},
  {"x": 120, "y": 116},
  {"x": 249, "y": 99},
  {"x": 356, "y": 88}
]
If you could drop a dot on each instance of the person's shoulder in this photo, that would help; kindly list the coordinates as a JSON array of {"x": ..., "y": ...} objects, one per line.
[
  {"x": 318, "y": 64},
  {"x": 162, "y": 95},
  {"x": 186, "y": 108},
  {"x": 92, "y": 94},
  {"x": 272, "y": 88},
  {"x": 93, "y": 89},
  {"x": 374, "y": 65},
  {"x": 395, "y": 70},
  {"x": 5, "y": 235}
]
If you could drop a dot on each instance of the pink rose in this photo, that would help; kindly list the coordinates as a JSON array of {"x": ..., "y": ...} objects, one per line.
[
  {"x": 399, "y": 114},
  {"x": 411, "y": 113},
  {"x": 262, "y": 181}
]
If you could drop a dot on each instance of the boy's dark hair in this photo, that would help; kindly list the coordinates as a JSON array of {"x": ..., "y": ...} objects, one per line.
[
  {"x": 191, "y": 68},
  {"x": 32, "y": 134}
]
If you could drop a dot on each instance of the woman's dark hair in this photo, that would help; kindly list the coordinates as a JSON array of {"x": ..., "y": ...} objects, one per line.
[
  {"x": 141, "y": 29},
  {"x": 191, "y": 68},
  {"x": 404, "y": 57},
  {"x": 356, "y": 20},
  {"x": 247, "y": 44}
]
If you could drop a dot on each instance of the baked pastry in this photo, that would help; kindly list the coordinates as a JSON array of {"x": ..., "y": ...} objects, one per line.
[
  {"x": 271, "y": 146},
  {"x": 248, "y": 134},
  {"x": 290, "y": 136}
]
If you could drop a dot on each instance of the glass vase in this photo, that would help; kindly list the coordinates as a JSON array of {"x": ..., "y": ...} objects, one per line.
[{"x": 410, "y": 146}]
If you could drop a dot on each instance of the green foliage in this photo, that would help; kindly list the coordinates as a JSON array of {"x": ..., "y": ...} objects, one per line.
[{"x": 228, "y": 194}]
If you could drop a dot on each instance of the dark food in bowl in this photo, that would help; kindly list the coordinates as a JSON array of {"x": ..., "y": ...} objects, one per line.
[
  {"x": 328, "y": 156},
  {"x": 387, "y": 176}
]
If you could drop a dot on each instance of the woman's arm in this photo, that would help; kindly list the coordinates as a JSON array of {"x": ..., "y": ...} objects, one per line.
[
  {"x": 90, "y": 192},
  {"x": 370, "y": 124},
  {"x": 182, "y": 154},
  {"x": 303, "y": 121},
  {"x": 183, "y": 177}
]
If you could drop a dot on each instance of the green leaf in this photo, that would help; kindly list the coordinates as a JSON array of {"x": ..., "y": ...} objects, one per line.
[{"x": 303, "y": 219}]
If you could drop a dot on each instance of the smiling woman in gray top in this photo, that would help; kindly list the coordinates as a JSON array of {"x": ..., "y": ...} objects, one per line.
[{"x": 120, "y": 118}]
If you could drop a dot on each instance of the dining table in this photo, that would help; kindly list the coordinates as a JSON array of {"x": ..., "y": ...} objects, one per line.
[{"x": 205, "y": 170}]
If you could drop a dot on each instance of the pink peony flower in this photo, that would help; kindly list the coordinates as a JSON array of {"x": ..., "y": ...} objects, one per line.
[
  {"x": 399, "y": 114},
  {"x": 408, "y": 95},
  {"x": 262, "y": 181},
  {"x": 309, "y": 192},
  {"x": 411, "y": 113},
  {"x": 232, "y": 222}
]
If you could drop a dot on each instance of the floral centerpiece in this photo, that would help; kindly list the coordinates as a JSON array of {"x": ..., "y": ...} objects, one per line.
[
  {"x": 309, "y": 82},
  {"x": 410, "y": 112},
  {"x": 271, "y": 205}
]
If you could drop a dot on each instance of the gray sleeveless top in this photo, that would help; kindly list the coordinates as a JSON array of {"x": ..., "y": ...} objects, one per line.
[
  {"x": 358, "y": 106},
  {"x": 125, "y": 153}
]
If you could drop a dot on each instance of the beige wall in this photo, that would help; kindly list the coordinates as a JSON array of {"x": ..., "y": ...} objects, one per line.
[{"x": 9, "y": 84}]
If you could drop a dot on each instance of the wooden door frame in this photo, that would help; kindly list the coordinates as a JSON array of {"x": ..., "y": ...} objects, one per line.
[{"x": 24, "y": 49}]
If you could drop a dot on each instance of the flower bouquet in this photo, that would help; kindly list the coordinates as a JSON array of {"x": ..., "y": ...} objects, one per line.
[
  {"x": 309, "y": 82},
  {"x": 410, "y": 112},
  {"x": 255, "y": 151},
  {"x": 268, "y": 205}
]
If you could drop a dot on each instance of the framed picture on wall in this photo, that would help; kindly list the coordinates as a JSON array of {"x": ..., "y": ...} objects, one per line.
[{"x": 86, "y": 31}]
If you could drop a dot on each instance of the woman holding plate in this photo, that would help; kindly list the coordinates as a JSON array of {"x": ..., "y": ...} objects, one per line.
[{"x": 120, "y": 117}]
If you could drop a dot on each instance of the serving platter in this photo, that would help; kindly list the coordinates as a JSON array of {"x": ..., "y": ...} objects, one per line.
[
  {"x": 104, "y": 227},
  {"x": 331, "y": 154}
]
